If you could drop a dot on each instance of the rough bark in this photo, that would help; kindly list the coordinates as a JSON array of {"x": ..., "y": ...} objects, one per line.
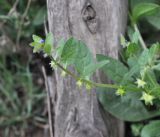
[{"x": 99, "y": 24}]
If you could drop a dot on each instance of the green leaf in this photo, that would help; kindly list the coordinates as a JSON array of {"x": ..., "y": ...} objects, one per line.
[
  {"x": 84, "y": 60},
  {"x": 148, "y": 56},
  {"x": 49, "y": 39},
  {"x": 150, "y": 78},
  {"x": 134, "y": 67},
  {"x": 133, "y": 71},
  {"x": 132, "y": 61},
  {"x": 144, "y": 57},
  {"x": 136, "y": 129},
  {"x": 156, "y": 91},
  {"x": 157, "y": 67},
  {"x": 36, "y": 38},
  {"x": 48, "y": 47},
  {"x": 133, "y": 3},
  {"x": 128, "y": 107},
  {"x": 132, "y": 49},
  {"x": 151, "y": 129},
  {"x": 153, "y": 52},
  {"x": 144, "y": 9},
  {"x": 135, "y": 37},
  {"x": 70, "y": 51},
  {"x": 89, "y": 70},
  {"x": 60, "y": 47},
  {"x": 114, "y": 70},
  {"x": 37, "y": 47},
  {"x": 137, "y": 64},
  {"x": 39, "y": 17},
  {"x": 77, "y": 53},
  {"x": 154, "y": 20}
]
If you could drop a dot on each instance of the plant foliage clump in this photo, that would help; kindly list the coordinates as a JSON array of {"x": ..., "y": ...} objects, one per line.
[{"x": 135, "y": 94}]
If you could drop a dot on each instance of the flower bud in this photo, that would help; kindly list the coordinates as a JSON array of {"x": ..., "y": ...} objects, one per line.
[
  {"x": 63, "y": 74},
  {"x": 120, "y": 92},
  {"x": 53, "y": 65},
  {"x": 88, "y": 86},
  {"x": 79, "y": 83},
  {"x": 42, "y": 41}
]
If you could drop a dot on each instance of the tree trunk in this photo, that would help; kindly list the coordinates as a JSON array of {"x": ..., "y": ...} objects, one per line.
[{"x": 99, "y": 24}]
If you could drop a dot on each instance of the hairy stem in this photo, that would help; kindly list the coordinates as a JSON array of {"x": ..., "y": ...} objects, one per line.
[
  {"x": 140, "y": 37},
  {"x": 113, "y": 86},
  {"x": 65, "y": 70}
]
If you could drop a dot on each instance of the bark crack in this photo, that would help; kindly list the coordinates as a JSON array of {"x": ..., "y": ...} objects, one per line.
[
  {"x": 89, "y": 17},
  {"x": 68, "y": 18}
]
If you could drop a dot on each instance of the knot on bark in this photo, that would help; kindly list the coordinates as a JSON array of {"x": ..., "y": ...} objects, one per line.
[{"x": 89, "y": 17}]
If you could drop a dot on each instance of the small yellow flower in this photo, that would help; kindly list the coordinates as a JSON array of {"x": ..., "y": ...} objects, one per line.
[
  {"x": 79, "y": 83},
  {"x": 120, "y": 92},
  {"x": 53, "y": 65},
  {"x": 148, "y": 99},
  {"x": 140, "y": 83}
]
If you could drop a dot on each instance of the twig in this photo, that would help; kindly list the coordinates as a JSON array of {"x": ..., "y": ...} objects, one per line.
[
  {"x": 41, "y": 125},
  {"x": 49, "y": 103},
  {"x": 10, "y": 12},
  {"x": 14, "y": 7},
  {"x": 21, "y": 23}
]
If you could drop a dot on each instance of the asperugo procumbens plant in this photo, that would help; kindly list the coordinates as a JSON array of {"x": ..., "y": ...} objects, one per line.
[
  {"x": 139, "y": 72},
  {"x": 135, "y": 77}
]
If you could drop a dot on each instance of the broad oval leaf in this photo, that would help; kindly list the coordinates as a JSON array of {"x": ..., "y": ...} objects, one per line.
[
  {"x": 128, "y": 107},
  {"x": 144, "y": 9},
  {"x": 84, "y": 60},
  {"x": 89, "y": 70},
  {"x": 151, "y": 130},
  {"x": 115, "y": 70},
  {"x": 69, "y": 51},
  {"x": 154, "y": 20}
]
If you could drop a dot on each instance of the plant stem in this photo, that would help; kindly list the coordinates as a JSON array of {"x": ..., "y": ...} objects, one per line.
[
  {"x": 21, "y": 23},
  {"x": 113, "y": 86},
  {"x": 84, "y": 80},
  {"x": 102, "y": 85},
  {"x": 140, "y": 37},
  {"x": 65, "y": 70}
]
